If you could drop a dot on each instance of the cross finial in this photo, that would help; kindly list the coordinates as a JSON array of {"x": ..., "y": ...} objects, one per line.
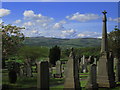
[{"x": 104, "y": 12}]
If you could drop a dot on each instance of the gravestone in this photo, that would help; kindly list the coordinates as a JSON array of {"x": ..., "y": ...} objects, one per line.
[
  {"x": 105, "y": 76},
  {"x": 43, "y": 75},
  {"x": 62, "y": 66},
  {"x": 72, "y": 73},
  {"x": 92, "y": 78},
  {"x": 83, "y": 65},
  {"x": 58, "y": 69},
  {"x": 21, "y": 71},
  {"x": 95, "y": 61},
  {"x": 118, "y": 71},
  {"x": 29, "y": 71},
  {"x": 53, "y": 71},
  {"x": 115, "y": 63},
  {"x": 50, "y": 72},
  {"x": 89, "y": 59}
]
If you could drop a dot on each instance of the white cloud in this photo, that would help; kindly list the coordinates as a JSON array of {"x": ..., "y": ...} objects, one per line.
[
  {"x": 88, "y": 34},
  {"x": 4, "y": 12},
  {"x": 28, "y": 24},
  {"x": 83, "y": 17},
  {"x": 114, "y": 20},
  {"x": 44, "y": 24},
  {"x": 35, "y": 31},
  {"x": 17, "y": 21},
  {"x": 30, "y": 15},
  {"x": 39, "y": 25},
  {"x": 68, "y": 33},
  {"x": 59, "y": 25}
]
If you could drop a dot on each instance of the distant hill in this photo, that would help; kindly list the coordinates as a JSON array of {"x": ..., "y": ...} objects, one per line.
[{"x": 49, "y": 42}]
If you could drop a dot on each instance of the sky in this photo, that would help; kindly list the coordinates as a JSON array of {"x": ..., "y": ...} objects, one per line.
[
  {"x": 60, "y": 19},
  {"x": 60, "y": 0}
]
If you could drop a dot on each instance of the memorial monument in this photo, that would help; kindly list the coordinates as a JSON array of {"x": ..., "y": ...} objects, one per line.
[{"x": 105, "y": 74}]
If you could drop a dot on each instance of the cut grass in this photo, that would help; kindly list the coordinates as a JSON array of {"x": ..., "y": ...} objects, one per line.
[{"x": 55, "y": 83}]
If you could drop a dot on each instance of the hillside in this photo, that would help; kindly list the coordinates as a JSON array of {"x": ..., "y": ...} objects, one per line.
[{"x": 49, "y": 42}]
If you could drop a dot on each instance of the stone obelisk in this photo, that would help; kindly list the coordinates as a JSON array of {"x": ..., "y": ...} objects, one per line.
[
  {"x": 72, "y": 73},
  {"x": 105, "y": 76},
  {"x": 104, "y": 43}
]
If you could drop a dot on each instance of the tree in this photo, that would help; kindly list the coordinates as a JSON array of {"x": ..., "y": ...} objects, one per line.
[
  {"x": 114, "y": 45},
  {"x": 12, "y": 39},
  {"x": 30, "y": 54},
  {"x": 54, "y": 55},
  {"x": 114, "y": 41}
]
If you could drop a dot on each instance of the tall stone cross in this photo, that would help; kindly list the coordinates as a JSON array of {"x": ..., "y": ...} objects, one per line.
[
  {"x": 104, "y": 43},
  {"x": 105, "y": 74}
]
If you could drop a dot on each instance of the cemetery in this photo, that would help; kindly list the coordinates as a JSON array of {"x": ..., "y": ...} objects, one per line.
[{"x": 57, "y": 70}]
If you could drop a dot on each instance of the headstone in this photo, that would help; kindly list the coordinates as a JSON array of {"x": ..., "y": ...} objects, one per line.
[
  {"x": 58, "y": 69},
  {"x": 118, "y": 71},
  {"x": 24, "y": 69},
  {"x": 43, "y": 75},
  {"x": 72, "y": 73},
  {"x": 29, "y": 71},
  {"x": 105, "y": 76},
  {"x": 50, "y": 72},
  {"x": 21, "y": 71},
  {"x": 89, "y": 59},
  {"x": 62, "y": 66},
  {"x": 83, "y": 65},
  {"x": 53, "y": 71},
  {"x": 83, "y": 60},
  {"x": 92, "y": 79},
  {"x": 115, "y": 63},
  {"x": 95, "y": 61}
]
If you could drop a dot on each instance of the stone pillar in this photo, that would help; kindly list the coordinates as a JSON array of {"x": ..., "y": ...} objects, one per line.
[
  {"x": 72, "y": 73},
  {"x": 43, "y": 76},
  {"x": 92, "y": 79},
  {"x": 105, "y": 76}
]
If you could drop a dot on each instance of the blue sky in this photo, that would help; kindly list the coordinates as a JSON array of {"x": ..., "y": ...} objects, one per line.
[{"x": 60, "y": 19}]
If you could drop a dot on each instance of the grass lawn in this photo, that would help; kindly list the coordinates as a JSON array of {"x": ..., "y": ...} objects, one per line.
[{"x": 31, "y": 82}]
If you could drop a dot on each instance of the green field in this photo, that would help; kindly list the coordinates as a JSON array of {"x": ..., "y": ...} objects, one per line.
[{"x": 64, "y": 43}]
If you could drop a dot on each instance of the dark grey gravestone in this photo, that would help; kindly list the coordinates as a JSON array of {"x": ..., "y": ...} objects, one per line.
[
  {"x": 92, "y": 79},
  {"x": 50, "y": 72},
  {"x": 115, "y": 63},
  {"x": 72, "y": 73},
  {"x": 43, "y": 76},
  {"x": 111, "y": 68},
  {"x": 105, "y": 77},
  {"x": 63, "y": 68},
  {"x": 118, "y": 70}
]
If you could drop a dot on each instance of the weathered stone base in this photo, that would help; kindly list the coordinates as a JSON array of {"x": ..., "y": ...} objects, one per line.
[
  {"x": 105, "y": 76},
  {"x": 69, "y": 83},
  {"x": 92, "y": 87},
  {"x": 105, "y": 82},
  {"x": 57, "y": 75}
]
